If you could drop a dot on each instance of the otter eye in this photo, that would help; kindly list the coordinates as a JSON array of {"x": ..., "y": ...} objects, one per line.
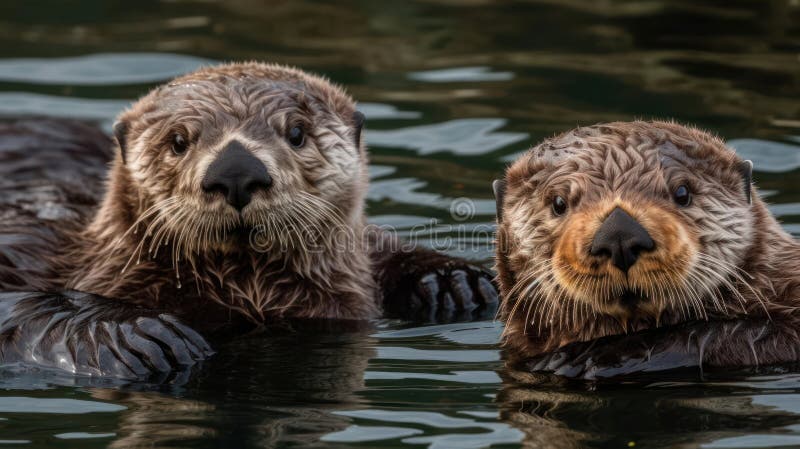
[
  {"x": 559, "y": 206},
  {"x": 296, "y": 136},
  {"x": 682, "y": 196},
  {"x": 179, "y": 144}
]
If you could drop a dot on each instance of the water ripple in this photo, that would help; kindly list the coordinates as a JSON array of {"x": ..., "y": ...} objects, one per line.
[
  {"x": 14, "y": 104},
  {"x": 783, "y": 402},
  {"x": 461, "y": 74},
  {"x": 754, "y": 441},
  {"x": 499, "y": 433},
  {"x": 83, "y": 435},
  {"x": 782, "y": 209},
  {"x": 466, "y": 377},
  {"x": 380, "y": 111},
  {"x": 450, "y": 355},
  {"x": 470, "y": 136},
  {"x": 101, "y": 69},
  {"x": 21, "y": 404},
  {"x": 359, "y": 434},
  {"x": 767, "y": 156},
  {"x": 479, "y": 333},
  {"x": 407, "y": 191}
]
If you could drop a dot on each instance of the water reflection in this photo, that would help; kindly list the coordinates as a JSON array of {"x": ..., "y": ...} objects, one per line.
[
  {"x": 157, "y": 419},
  {"x": 249, "y": 401},
  {"x": 650, "y": 412}
]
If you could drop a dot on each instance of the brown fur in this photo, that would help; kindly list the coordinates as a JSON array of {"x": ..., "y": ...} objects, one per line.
[
  {"x": 718, "y": 259},
  {"x": 49, "y": 168},
  {"x": 158, "y": 240},
  {"x": 119, "y": 270}
]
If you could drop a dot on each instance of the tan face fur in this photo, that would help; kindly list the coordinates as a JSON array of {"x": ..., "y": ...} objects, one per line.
[
  {"x": 557, "y": 290},
  {"x": 315, "y": 186}
]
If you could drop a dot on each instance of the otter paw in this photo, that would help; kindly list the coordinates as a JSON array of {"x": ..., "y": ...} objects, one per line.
[
  {"x": 149, "y": 345},
  {"x": 88, "y": 335},
  {"x": 656, "y": 350},
  {"x": 143, "y": 347},
  {"x": 454, "y": 292}
]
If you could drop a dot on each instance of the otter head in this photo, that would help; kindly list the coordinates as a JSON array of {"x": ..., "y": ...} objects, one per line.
[
  {"x": 620, "y": 227},
  {"x": 232, "y": 150}
]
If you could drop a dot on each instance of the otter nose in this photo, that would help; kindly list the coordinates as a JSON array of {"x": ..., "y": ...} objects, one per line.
[
  {"x": 237, "y": 174},
  {"x": 622, "y": 239}
]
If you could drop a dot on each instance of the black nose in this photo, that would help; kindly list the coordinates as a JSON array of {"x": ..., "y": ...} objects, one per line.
[
  {"x": 237, "y": 174},
  {"x": 621, "y": 238}
]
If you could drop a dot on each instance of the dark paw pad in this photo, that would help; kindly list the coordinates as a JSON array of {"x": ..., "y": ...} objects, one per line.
[
  {"x": 89, "y": 335},
  {"x": 455, "y": 292}
]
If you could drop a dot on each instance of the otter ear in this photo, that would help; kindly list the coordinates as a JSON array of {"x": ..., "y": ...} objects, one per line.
[
  {"x": 746, "y": 170},
  {"x": 121, "y": 134},
  {"x": 499, "y": 187},
  {"x": 358, "y": 124}
]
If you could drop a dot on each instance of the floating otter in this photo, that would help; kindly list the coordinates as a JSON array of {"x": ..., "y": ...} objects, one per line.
[
  {"x": 627, "y": 227},
  {"x": 236, "y": 194}
]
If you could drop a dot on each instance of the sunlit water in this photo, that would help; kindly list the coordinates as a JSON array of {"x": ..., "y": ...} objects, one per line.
[{"x": 453, "y": 91}]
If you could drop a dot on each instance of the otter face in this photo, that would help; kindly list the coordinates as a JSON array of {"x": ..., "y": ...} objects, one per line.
[
  {"x": 623, "y": 226},
  {"x": 233, "y": 150}
]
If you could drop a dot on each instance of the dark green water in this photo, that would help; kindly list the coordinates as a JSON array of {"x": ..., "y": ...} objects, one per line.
[{"x": 452, "y": 90}]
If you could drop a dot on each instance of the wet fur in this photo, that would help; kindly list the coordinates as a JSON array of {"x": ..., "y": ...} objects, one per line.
[
  {"x": 717, "y": 260},
  {"x": 157, "y": 240},
  {"x": 52, "y": 172},
  {"x": 146, "y": 238}
]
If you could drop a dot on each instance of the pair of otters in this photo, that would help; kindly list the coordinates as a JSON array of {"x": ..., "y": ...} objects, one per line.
[{"x": 237, "y": 193}]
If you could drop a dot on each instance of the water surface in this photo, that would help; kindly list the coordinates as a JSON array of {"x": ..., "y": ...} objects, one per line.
[{"x": 453, "y": 91}]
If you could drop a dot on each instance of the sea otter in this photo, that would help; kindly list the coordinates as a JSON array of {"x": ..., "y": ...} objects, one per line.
[
  {"x": 235, "y": 195},
  {"x": 651, "y": 229}
]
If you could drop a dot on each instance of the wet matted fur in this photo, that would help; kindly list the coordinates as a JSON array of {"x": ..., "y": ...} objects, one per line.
[
  {"x": 722, "y": 258},
  {"x": 156, "y": 219},
  {"x": 147, "y": 238}
]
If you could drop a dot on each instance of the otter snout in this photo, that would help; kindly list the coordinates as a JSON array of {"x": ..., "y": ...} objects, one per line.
[
  {"x": 237, "y": 174},
  {"x": 622, "y": 239}
]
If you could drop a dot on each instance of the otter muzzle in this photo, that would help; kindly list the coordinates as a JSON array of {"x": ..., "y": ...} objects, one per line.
[
  {"x": 237, "y": 174},
  {"x": 622, "y": 239}
]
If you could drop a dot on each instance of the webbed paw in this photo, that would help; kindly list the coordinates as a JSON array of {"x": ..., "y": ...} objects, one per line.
[
  {"x": 88, "y": 335},
  {"x": 695, "y": 345},
  {"x": 613, "y": 357},
  {"x": 459, "y": 293},
  {"x": 440, "y": 289}
]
